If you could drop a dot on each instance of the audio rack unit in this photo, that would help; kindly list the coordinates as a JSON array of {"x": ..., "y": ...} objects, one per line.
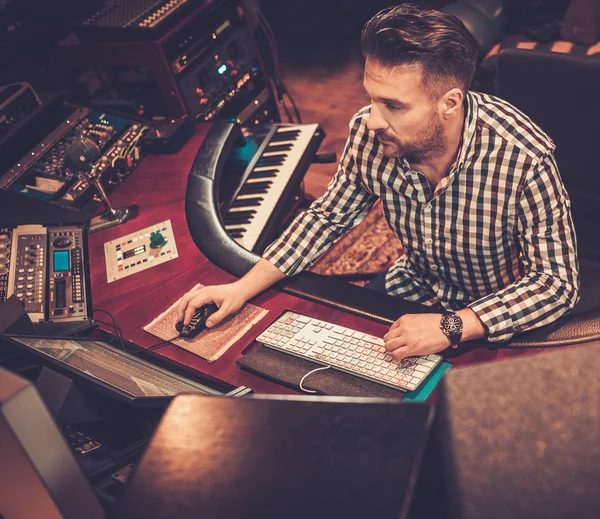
[
  {"x": 46, "y": 268},
  {"x": 136, "y": 19},
  {"x": 17, "y": 101},
  {"x": 206, "y": 66},
  {"x": 34, "y": 164}
]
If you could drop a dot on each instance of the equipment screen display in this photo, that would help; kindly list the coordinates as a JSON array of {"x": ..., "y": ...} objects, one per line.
[
  {"x": 61, "y": 260},
  {"x": 134, "y": 252}
]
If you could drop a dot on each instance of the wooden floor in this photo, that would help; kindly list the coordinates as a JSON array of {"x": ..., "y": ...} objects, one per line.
[{"x": 329, "y": 97}]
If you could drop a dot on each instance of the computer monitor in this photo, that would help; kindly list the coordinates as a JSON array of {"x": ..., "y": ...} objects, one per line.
[
  {"x": 39, "y": 476},
  {"x": 105, "y": 369}
]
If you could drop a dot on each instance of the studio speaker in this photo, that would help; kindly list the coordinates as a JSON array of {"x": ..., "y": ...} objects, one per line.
[{"x": 520, "y": 438}]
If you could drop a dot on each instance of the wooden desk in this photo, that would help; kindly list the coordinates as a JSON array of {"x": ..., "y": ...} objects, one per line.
[{"x": 158, "y": 186}]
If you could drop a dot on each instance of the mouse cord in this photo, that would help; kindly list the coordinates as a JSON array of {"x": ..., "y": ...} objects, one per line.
[
  {"x": 310, "y": 373},
  {"x": 119, "y": 334},
  {"x": 162, "y": 343}
]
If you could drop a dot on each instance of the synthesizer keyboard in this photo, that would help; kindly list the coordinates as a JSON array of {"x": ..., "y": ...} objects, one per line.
[{"x": 268, "y": 177}]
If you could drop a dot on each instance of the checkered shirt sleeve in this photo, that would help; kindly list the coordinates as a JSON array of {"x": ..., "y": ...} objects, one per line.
[
  {"x": 550, "y": 286},
  {"x": 343, "y": 206}
]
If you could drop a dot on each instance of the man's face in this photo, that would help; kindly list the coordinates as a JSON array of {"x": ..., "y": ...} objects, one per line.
[{"x": 403, "y": 115}]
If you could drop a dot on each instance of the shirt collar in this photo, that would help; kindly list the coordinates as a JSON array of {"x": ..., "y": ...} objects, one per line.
[{"x": 472, "y": 107}]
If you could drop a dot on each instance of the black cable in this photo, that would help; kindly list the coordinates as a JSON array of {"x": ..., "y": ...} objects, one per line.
[
  {"x": 289, "y": 96},
  {"x": 119, "y": 334},
  {"x": 286, "y": 110},
  {"x": 118, "y": 331},
  {"x": 279, "y": 85},
  {"x": 162, "y": 343}
]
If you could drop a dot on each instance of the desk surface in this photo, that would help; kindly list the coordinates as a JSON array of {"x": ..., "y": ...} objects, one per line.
[{"x": 158, "y": 187}]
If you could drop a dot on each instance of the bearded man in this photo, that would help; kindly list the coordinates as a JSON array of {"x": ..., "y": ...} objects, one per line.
[{"x": 467, "y": 182}]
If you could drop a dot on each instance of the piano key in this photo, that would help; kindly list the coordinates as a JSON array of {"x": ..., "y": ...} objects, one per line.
[
  {"x": 274, "y": 160},
  {"x": 241, "y": 213},
  {"x": 250, "y": 190},
  {"x": 258, "y": 175},
  {"x": 278, "y": 147},
  {"x": 236, "y": 210},
  {"x": 255, "y": 188},
  {"x": 247, "y": 202},
  {"x": 231, "y": 229},
  {"x": 255, "y": 185},
  {"x": 230, "y": 220},
  {"x": 285, "y": 135},
  {"x": 265, "y": 173}
]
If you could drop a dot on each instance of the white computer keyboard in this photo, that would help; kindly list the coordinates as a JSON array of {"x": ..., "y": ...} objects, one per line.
[{"x": 348, "y": 350}]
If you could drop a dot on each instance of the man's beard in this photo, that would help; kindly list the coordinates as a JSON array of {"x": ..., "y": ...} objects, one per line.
[{"x": 428, "y": 143}]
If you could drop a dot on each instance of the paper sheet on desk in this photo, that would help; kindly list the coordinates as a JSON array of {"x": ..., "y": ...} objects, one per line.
[{"x": 211, "y": 343}]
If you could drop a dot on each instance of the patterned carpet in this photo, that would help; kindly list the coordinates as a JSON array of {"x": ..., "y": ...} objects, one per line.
[{"x": 367, "y": 250}]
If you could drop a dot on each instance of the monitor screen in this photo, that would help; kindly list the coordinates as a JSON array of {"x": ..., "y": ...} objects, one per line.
[{"x": 122, "y": 372}]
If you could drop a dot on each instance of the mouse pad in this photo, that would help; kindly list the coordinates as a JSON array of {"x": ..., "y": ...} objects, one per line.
[{"x": 211, "y": 343}]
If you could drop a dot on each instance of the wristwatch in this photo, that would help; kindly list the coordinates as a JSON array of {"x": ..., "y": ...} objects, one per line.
[{"x": 452, "y": 326}]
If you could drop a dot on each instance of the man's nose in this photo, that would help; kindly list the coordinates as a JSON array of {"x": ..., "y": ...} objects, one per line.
[{"x": 375, "y": 121}]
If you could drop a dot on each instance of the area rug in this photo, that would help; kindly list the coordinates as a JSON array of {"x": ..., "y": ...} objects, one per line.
[{"x": 367, "y": 250}]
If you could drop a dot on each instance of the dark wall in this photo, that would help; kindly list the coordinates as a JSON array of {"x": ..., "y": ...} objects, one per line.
[
  {"x": 323, "y": 32},
  {"x": 28, "y": 31}
]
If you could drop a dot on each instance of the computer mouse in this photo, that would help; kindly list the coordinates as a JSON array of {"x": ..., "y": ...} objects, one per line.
[{"x": 198, "y": 322}]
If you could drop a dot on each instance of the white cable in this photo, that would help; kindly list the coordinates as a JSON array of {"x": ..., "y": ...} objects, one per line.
[{"x": 310, "y": 373}]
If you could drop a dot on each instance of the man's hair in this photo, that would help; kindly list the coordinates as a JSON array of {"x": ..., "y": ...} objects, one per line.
[{"x": 438, "y": 41}]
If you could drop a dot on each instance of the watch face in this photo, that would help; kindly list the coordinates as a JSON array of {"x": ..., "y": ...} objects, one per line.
[{"x": 452, "y": 323}]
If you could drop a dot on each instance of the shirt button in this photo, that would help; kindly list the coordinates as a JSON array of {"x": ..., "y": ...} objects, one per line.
[
  {"x": 434, "y": 267},
  {"x": 429, "y": 241}
]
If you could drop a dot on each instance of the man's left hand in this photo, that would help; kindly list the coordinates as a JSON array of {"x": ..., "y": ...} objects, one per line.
[{"x": 416, "y": 334}]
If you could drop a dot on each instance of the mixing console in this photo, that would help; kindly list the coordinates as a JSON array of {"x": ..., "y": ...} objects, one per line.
[
  {"x": 45, "y": 268},
  {"x": 28, "y": 269},
  {"x": 42, "y": 172}
]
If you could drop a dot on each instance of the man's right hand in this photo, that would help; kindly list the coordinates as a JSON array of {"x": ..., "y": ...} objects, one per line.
[{"x": 229, "y": 298}]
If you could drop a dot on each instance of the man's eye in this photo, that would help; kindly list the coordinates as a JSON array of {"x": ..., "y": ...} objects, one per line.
[{"x": 391, "y": 107}]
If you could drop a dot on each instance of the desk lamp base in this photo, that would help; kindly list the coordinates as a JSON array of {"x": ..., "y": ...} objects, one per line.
[{"x": 113, "y": 217}]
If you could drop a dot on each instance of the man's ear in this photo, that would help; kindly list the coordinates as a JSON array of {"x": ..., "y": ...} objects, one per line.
[{"x": 451, "y": 103}]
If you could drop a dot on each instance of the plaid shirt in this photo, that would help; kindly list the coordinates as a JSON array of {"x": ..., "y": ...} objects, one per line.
[{"x": 496, "y": 235}]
